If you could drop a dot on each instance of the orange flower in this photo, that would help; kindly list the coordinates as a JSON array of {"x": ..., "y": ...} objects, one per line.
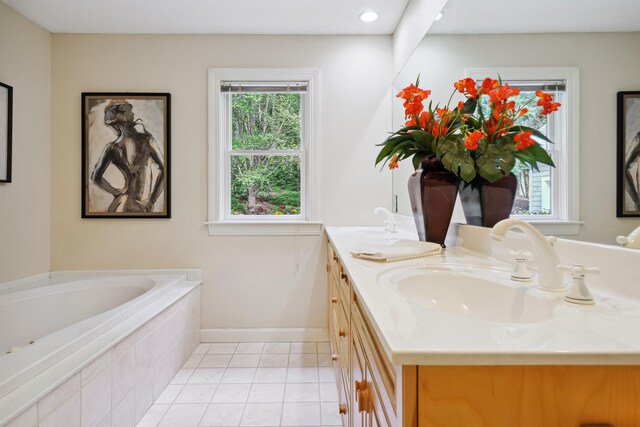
[
  {"x": 442, "y": 112},
  {"x": 544, "y": 97},
  {"x": 472, "y": 140},
  {"x": 460, "y": 105},
  {"x": 500, "y": 109},
  {"x": 524, "y": 140},
  {"x": 522, "y": 112},
  {"x": 425, "y": 119},
  {"x": 501, "y": 93},
  {"x": 439, "y": 129},
  {"x": 468, "y": 86},
  {"x": 393, "y": 163},
  {"x": 410, "y": 91},
  {"x": 546, "y": 102},
  {"x": 412, "y": 108},
  {"x": 492, "y": 128},
  {"x": 413, "y": 97},
  {"x": 488, "y": 84}
]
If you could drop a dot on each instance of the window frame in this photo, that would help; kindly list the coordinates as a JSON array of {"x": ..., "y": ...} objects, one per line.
[
  {"x": 221, "y": 222},
  {"x": 565, "y": 219}
]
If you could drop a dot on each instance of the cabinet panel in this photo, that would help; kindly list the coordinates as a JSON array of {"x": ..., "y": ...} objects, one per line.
[
  {"x": 367, "y": 402},
  {"x": 382, "y": 371},
  {"x": 528, "y": 396},
  {"x": 358, "y": 382}
]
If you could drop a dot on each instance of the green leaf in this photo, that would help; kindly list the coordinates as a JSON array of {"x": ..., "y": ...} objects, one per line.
[
  {"x": 417, "y": 158},
  {"x": 456, "y": 159},
  {"x": 468, "y": 170},
  {"x": 469, "y": 106},
  {"x": 539, "y": 154},
  {"x": 423, "y": 138},
  {"x": 391, "y": 145},
  {"x": 385, "y": 152},
  {"x": 495, "y": 162}
]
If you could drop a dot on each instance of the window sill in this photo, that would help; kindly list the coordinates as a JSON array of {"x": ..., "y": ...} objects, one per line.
[
  {"x": 557, "y": 228},
  {"x": 264, "y": 228}
]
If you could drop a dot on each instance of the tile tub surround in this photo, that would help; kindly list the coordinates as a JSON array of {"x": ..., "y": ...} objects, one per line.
[
  {"x": 250, "y": 384},
  {"x": 120, "y": 385}
]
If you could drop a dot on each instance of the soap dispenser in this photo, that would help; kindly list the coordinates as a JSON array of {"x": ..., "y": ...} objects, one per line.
[{"x": 578, "y": 292}]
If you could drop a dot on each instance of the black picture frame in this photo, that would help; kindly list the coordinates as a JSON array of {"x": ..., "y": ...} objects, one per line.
[
  {"x": 628, "y": 155},
  {"x": 126, "y": 155},
  {"x": 6, "y": 131}
]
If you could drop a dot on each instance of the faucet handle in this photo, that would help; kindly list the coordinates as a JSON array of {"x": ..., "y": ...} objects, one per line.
[
  {"x": 578, "y": 293},
  {"x": 521, "y": 255},
  {"x": 391, "y": 226},
  {"x": 520, "y": 272},
  {"x": 579, "y": 270}
]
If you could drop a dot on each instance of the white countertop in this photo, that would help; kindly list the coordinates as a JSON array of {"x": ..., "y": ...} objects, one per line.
[{"x": 412, "y": 334}]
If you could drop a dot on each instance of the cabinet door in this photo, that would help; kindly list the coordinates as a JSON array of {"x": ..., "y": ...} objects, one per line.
[
  {"x": 529, "y": 396},
  {"x": 358, "y": 384}
]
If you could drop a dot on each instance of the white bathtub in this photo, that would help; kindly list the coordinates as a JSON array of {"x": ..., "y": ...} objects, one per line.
[{"x": 45, "y": 321}]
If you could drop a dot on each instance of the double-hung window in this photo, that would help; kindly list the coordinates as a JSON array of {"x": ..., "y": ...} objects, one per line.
[
  {"x": 262, "y": 151},
  {"x": 547, "y": 197}
]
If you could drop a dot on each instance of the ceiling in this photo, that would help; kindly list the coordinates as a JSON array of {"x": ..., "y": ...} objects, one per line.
[
  {"x": 324, "y": 16},
  {"x": 537, "y": 16},
  {"x": 211, "y": 16}
]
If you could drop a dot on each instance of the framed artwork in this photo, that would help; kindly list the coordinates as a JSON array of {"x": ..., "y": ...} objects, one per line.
[
  {"x": 126, "y": 155},
  {"x": 6, "y": 120},
  {"x": 628, "y": 179}
]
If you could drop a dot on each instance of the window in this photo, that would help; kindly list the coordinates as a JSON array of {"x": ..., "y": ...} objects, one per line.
[
  {"x": 547, "y": 197},
  {"x": 262, "y": 152}
]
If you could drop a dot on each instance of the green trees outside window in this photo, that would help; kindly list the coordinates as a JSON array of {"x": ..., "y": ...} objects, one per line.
[{"x": 266, "y": 153}]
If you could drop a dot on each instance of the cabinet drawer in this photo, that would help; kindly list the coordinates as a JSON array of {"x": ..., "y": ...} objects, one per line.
[
  {"x": 339, "y": 349},
  {"x": 372, "y": 411},
  {"x": 344, "y": 403},
  {"x": 382, "y": 370},
  {"x": 344, "y": 289},
  {"x": 333, "y": 261},
  {"x": 342, "y": 333}
]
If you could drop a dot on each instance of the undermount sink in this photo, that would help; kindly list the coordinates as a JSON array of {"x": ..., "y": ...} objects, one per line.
[{"x": 465, "y": 293}]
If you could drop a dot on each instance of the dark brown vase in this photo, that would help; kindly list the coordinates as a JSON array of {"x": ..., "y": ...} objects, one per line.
[
  {"x": 433, "y": 207},
  {"x": 486, "y": 203}
]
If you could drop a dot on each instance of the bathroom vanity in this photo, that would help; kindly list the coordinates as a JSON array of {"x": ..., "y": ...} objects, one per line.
[{"x": 405, "y": 358}]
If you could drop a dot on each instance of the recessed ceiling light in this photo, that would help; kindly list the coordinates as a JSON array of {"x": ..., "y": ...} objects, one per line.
[
  {"x": 368, "y": 16},
  {"x": 439, "y": 16}
]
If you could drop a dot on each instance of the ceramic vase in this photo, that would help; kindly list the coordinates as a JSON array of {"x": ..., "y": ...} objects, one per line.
[
  {"x": 486, "y": 203},
  {"x": 432, "y": 192}
]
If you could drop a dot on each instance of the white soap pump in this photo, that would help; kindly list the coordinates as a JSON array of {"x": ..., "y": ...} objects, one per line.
[
  {"x": 631, "y": 241},
  {"x": 578, "y": 292}
]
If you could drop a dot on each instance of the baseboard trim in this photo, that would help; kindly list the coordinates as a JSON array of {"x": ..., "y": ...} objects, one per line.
[{"x": 264, "y": 335}]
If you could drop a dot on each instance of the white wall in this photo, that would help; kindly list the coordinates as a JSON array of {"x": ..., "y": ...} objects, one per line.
[
  {"x": 249, "y": 282},
  {"x": 414, "y": 24},
  {"x": 608, "y": 62},
  {"x": 25, "y": 203}
]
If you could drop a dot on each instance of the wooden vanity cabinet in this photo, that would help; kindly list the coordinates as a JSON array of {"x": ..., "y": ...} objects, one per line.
[
  {"x": 365, "y": 377},
  {"x": 339, "y": 331},
  {"x": 374, "y": 392}
]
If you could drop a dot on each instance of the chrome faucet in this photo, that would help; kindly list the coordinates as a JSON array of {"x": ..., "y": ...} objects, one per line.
[
  {"x": 391, "y": 225},
  {"x": 549, "y": 277}
]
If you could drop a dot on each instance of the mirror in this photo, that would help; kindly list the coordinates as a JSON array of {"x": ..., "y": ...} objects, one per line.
[{"x": 466, "y": 38}]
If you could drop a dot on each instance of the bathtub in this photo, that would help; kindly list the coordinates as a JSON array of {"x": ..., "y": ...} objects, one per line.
[{"x": 52, "y": 326}]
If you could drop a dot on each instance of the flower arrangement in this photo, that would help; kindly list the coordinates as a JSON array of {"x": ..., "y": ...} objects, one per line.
[{"x": 467, "y": 140}]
